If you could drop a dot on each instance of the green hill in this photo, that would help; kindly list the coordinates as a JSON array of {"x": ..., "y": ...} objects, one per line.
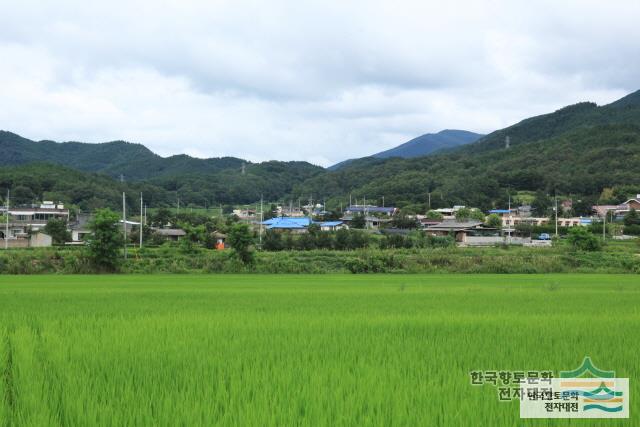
[
  {"x": 578, "y": 150},
  {"x": 195, "y": 181}
]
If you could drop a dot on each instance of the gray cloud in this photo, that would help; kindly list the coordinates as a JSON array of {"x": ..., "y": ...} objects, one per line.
[{"x": 316, "y": 81}]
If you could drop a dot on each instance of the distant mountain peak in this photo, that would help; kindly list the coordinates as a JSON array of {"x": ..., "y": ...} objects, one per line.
[{"x": 425, "y": 144}]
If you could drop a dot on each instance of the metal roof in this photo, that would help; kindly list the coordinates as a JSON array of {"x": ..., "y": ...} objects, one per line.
[
  {"x": 170, "y": 232},
  {"x": 378, "y": 209},
  {"x": 286, "y": 222},
  {"x": 331, "y": 223}
]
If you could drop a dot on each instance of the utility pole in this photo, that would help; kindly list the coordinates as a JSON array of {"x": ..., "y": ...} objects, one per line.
[
  {"x": 124, "y": 224},
  {"x": 261, "y": 219},
  {"x": 555, "y": 197},
  {"x": 141, "y": 218},
  {"x": 604, "y": 226},
  {"x": 383, "y": 201},
  {"x": 510, "y": 217},
  {"x": 366, "y": 224},
  {"x": 429, "y": 194},
  {"x": 6, "y": 225}
]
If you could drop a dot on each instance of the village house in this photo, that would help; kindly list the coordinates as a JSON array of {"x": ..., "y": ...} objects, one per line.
[
  {"x": 474, "y": 233},
  {"x": 510, "y": 219},
  {"x": 26, "y": 224},
  {"x": 370, "y": 209},
  {"x": 620, "y": 210},
  {"x": 300, "y": 225},
  {"x": 170, "y": 234},
  {"x": 371, "y": 222}
]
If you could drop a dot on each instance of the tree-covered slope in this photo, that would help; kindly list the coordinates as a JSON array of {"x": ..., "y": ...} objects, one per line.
[
  {"x": 582, "y": 115},
  {"x": 133, "y": 161},
  {"x": 578, "y": 150},
  {"x": 581, "y": 162}
]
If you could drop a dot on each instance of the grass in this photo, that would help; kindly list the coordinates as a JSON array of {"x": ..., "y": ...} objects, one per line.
[{"x": 277, "y": 350}]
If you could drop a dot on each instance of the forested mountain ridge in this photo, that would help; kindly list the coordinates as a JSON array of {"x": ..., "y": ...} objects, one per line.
[
  {"x": 423, "y": 145},
  {"x": 584, "y": 114},
  {"x": 578, "y": 150},
  {"x": 194, "y": 181},
  {"x": 134, "y": 161}
]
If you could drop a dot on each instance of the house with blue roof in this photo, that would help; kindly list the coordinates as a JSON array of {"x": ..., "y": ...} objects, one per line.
[{"x": 300, "y": 225}]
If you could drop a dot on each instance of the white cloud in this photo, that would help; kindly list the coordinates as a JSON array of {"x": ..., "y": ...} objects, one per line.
[{"x": 317, "y": 81}]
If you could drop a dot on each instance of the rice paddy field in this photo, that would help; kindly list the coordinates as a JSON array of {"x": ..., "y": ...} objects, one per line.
[{"x": 288, "y": 350}]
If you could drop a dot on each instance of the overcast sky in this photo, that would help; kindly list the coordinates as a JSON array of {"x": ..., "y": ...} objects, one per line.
[{"x": 303, "y": 80}]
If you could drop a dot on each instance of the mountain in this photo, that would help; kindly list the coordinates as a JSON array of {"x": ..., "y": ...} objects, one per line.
[
  {"x": 116, "y": 158},
  {"x": 582, "y": 115},
  {"x": 423, "y": 145},
  {"x": 195, "y": 181},
  {"x": 578, "y": 150}
]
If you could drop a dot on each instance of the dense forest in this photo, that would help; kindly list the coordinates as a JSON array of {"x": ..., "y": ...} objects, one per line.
[
  {"x": 584, "y": 151},
  {"x": 577, "y": 151}
]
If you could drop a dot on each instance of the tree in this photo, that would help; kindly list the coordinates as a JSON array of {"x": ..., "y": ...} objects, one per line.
[
  {"x": 57, "y": 229},
  {"x": 434, "y": 215},
  {"x": 241, "y": 241},
  {"x": 272, "y": 241},
  {"x": 632, "y": 217},
  {"x": 581, "y": 239},
  {"x": 358, "y": 221},
  {"x": 194, "y": 235},
  {"x": 477, "y": 215},
  {"x": 162, "y": 217},
  {"x": 403, "y": 221},
  {"x": 106, "y": 240},
  {"x": 342, "y": 239},
  {"x": 465, "y": 214},
  {"x": 494, "y": 221},
  {"x": 541, "y": 204}
]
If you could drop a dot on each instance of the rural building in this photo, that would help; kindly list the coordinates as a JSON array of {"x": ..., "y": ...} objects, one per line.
[
  {"x": 369, "y": 209},
  {"x": 618, "y": 210},
  {"x": 293, "y": 225},
  {"x": 172, "y": 234},
  {"x": 25, "y": 222},
  {"x": 371, "y": 221},
  {"x": 300, "y": 225},
  {"x": 80, "y": 227},
  {"x": 332, "y": 225},
  {"x": 459, "y": 229}
]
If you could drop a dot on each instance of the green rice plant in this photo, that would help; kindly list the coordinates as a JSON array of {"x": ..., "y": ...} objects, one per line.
[{"x": 316, "y": 350}]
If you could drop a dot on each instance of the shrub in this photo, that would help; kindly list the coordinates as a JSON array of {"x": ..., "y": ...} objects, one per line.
[{"x": 581, "y": 239}]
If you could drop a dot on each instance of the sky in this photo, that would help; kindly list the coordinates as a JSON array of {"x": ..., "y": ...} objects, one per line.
[{"x": 320, "y": 81}]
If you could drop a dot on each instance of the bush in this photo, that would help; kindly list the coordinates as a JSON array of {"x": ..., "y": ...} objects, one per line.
[{"x": 581, "y": 239}]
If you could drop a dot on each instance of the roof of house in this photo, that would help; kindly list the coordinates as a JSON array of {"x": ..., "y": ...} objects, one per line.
[
  {"x": 170, "y": 232},
  {"x": 453, "y": 225},
  {"x": 286, "y": 222},
  {"x": 501, "y": 211},
  {"x": 379, "y": 209},
  {"x": 369, "y": 218},
  {"x": 331, "y": 223}
]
